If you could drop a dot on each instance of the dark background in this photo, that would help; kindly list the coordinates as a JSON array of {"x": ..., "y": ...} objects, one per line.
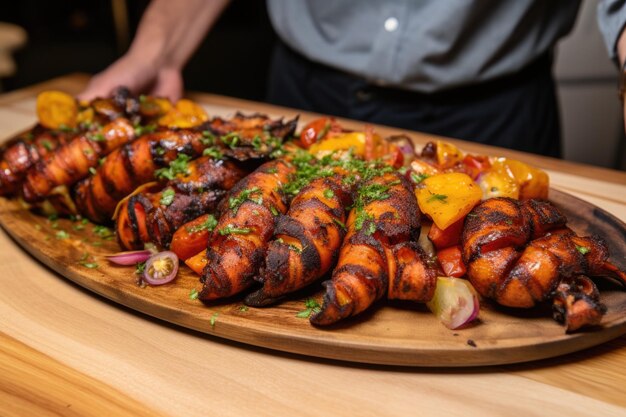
[{"x": 73, "y": 35}]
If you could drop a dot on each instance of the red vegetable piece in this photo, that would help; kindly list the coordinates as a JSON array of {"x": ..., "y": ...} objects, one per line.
[
  {"x": 315, "y": 131},
  {"x": 474, "y": 165},
  {"x": 451, "y": 261},
  {"x": 161, "y": 268},
  {"x": 447, "y": 237},
  {"x": 191, "y": 238}
]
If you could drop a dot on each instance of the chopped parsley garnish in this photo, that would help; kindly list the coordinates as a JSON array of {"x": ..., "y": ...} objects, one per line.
[
  {"x": 87, "y": 152},
  {"x": 102, "y": 231},
  {"x": 257, "y": 142},
  {"x": 167, "y": 197},
  {"x": 208, "y": 138},
  {"x": 142, "y": 130},
  {"x": 178, "y": 166},
  {"x": 66, "y": 129},
  {"x": 243, "y": 308},
  {"x": 92, "y": 171},
  {"x": 311, "y": 307},
  {"x": 366, "y": 195},
  {"x": 235, "y": 202},
  {"x": 140, "y": 267},
  {"x": 46, "y": 144},
  {"x": 62, "y": 234},
  {"x": 213, "y": 319},
  {"x": 340, "y": 223},
  {"x": 193, "y": 294},
  {"x": 209, "y": 224},
  {"x": 231, "y": 139},
  {"x": 329, "y": 193},
  {"x": 438, "y": 197},
  {"x": 84, "y": 261},
  {"x": 214, "y": 152},
  {"x": 583, "y": 249},
  {"x": 361, "y": 217},
  {"x": 417, "y": 178},
  {"x": 232, "y": 230},
  {"x": 96, "y": 137},
  {"x": 274, "y": 211}
]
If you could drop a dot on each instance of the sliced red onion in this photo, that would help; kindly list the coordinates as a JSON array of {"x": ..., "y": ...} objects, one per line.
[
  {"x": 407, "y": 149},
  {"x": 130, "y": 257},
  {"x": 161, "y": 268},
  {"x": 455, "y": 302}
]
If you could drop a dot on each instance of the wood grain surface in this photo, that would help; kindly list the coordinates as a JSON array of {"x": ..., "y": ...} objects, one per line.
[{"x": 178, "y": 372}]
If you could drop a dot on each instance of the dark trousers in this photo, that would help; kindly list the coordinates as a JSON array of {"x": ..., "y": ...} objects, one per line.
[{"x": 517, "y": 112}]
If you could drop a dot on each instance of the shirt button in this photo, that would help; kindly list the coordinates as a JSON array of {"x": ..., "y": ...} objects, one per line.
[{"x": 391, "y": 24}]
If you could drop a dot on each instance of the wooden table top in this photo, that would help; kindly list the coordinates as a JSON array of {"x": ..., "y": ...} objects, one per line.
[{"x": 66, "y": 351}]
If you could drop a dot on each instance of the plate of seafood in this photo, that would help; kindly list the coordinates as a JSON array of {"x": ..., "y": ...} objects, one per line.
[{"x": 313, "y": 239}]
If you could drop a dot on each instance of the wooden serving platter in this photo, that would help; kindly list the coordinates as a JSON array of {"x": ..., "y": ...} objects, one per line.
[{"x": 391, "y": 334}]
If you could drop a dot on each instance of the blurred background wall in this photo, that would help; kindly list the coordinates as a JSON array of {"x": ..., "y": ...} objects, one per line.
[{"x": 74, "y": 35}]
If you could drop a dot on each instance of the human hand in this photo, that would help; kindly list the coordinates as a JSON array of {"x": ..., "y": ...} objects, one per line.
[{"x": 139, "y": 76}]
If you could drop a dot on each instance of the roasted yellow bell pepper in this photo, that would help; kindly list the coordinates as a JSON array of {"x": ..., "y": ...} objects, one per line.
[
  {"x": 498, "y": 183},
  {"x": 448, "y": 155},
  {"x": 447, "y": 198},
  {"x": 56, "y": 109},
  {"x": 184, "y": 114},
  {"x": 532, "y": 182},
  {"x": 344, "y": 141}
]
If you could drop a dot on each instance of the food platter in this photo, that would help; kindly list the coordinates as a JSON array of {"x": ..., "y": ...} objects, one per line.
[{"x": 391, "y": 334}]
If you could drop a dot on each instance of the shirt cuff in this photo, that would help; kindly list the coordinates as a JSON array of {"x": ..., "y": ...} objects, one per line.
[{"x": 611, "y": 20}]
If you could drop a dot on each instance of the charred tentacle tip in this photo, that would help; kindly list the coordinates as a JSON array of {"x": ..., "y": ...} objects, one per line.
[{"x": 576, "y": 304}]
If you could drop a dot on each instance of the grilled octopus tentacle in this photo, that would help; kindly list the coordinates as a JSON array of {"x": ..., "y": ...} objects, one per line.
[
  {"x": 23, "y": 151},
  {"x": 237, "y": 244},
  {"x": 73, "y": 161},
  {"x": 154, "y": 216},
  {"x": 377, "y": 256},
  {"x": 576, "y": 303},
  {"x": 307, "y": 240},
  {"x": 519, "y": 253},
  {"x": 130, "y": 166},
  {"x": 135, "y": 163}
]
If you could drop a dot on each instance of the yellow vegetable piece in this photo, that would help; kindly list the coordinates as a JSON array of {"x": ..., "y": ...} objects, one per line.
[
  {"x": 423, "y": 168},
  {"x": 498, "y": 183},
  {"x": 85, "y": 115},
  {"x": 448, "y": 155},
  {"x": 447, "y": 198},
  {"x": 56, "y": 109},
  {"x": 345, "y": 141},
  {"x": 154, "y": 106},
  {"x": 184, "y": 114},
  {"x": 532, "y": 182}
]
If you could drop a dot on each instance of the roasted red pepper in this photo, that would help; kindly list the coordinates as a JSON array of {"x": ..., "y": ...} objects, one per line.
[{"x": 451, "y": 261}]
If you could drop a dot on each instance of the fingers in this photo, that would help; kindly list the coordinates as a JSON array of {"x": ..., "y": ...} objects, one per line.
[
  {"x": 131, "y": 73},
  {"x": 164, "y": 83},
  {"x": 169, "y": 84}
]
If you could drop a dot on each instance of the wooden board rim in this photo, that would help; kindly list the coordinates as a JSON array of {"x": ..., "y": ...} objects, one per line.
[{"x": 308, "y": 342}]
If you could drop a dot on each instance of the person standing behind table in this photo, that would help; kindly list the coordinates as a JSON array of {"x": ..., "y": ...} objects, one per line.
[{"x": 476, "y": 70}]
